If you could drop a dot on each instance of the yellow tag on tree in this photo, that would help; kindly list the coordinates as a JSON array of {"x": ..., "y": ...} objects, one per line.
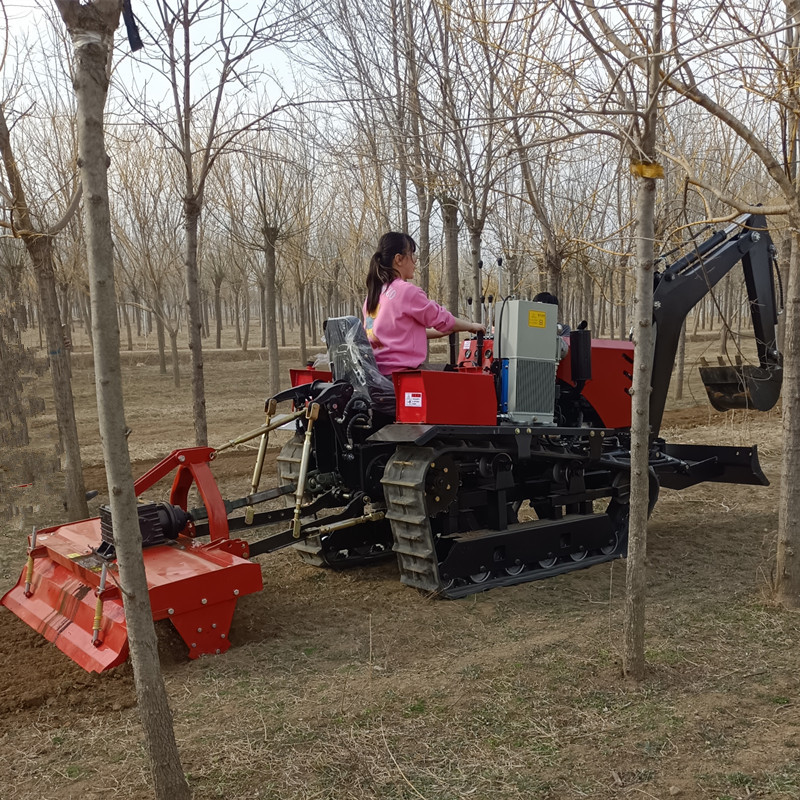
[
  {"x": 537, "y": 319},
  {"x": 643, "y": 170}
]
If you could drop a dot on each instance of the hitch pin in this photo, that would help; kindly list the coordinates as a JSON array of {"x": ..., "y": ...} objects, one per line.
[
  {"x": 272, "y": 407},
  {"x": 312, "y": 412},
  {"x": 98, "y": 609},
  {"x": 29, "y": 567}
]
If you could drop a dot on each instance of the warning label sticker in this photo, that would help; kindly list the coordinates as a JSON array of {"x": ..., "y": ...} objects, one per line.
[
  {"x": 537, "y": 319},
  {"x": 413, "y": 400}
]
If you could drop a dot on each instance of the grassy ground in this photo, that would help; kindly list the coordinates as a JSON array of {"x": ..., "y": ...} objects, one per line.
[{"x": 350, "y": 685}]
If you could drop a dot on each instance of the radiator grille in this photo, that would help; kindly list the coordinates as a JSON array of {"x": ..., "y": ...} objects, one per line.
[{"x": 532, "y": 390}]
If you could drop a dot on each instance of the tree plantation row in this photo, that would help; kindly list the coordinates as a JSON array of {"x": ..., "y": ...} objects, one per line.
[
  {"x": 256, "y": 154},
  {"x": 223, "y": 161}
]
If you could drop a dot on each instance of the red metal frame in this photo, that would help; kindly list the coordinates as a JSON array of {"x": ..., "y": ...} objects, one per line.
[
  {"x": 608, "y": 391},
  {"x": 194, "y": 585},
  {"x": 448, "y": 398}
]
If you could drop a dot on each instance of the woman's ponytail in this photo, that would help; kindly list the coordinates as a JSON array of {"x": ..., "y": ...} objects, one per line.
[{"x": 381, "y": 266}]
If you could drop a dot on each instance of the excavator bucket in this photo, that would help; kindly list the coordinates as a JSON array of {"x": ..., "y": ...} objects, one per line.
[
  {"x": 741, "y": 386},
  {"x": 65, "y": 593}
]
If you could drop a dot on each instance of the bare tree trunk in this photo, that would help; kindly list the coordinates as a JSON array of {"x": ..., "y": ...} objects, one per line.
[
  {"x": 552, "y": 258},
  {"x": 725, "y": 314},
  {"x": 86, "y": 311},
  {"x": 137, "y": 312},
  {"x": 477, "y": 274},
  {"x": 204, "y": 308},
  {"x": 601, "y": 318},
  {"x": 271, "y": 300},
  {"x": 787, "y": 568},
  {"x": 92, "y": 27},
  {"x": 681, "y": 363},
  {"x": 262, "y": 313},
  {"x": 302, "y": 322},
  {"x": 128, "y": 332},
  {"x": 635, "y": 580},
  {"x": 191, "y": 207},
  {"x": 588, "y": 309},
  {"x": 283, "y": 333},
  {"x": 237, "y": 317},
  {"x": 13, "y": 360},
  {"x": 425, "y": 202},
  {"x": 218, "y": 308},
  {"x": 160, "y": 338},
  {"x": 450, "y": 224},
  {"x": 246, "y": 315},
  {"x": 612, "y": 302},
  {"x": 313, "y": 294},
  {"x": 39, "y": 249},
  {"x": 176, "y": 367}
]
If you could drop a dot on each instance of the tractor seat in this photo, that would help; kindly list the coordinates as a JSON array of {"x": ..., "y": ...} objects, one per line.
[{"x": 352, "y": 360}]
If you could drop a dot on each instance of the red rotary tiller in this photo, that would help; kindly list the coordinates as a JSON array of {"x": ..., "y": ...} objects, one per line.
[{"x": 69, "y": 590}]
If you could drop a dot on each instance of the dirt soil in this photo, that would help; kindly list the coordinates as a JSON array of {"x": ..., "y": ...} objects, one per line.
[{"x": 350, "y": 685}]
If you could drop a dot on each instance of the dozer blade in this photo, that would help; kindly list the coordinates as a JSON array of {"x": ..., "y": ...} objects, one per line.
[{"x": 730, "y": 387}]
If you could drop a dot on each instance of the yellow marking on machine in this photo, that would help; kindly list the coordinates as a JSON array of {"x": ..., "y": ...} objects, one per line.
[{"x": 537, "y": 319}]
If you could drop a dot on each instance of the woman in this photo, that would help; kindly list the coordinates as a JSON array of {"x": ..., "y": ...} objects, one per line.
[{"x": 398, "y": 314}]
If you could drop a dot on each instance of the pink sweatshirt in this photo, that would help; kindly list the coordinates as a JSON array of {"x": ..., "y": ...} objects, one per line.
[{"x": 396, "y": 329}]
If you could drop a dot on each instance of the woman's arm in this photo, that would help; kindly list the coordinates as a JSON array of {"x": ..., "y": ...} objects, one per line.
[
  {"x": 459, "y": 326},
  {"x": 465, "y": 325}
]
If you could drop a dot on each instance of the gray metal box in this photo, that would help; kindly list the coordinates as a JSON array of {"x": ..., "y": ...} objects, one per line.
[
  {"x": 529, "y": 330},
  {"x": 529, "y": 340}
]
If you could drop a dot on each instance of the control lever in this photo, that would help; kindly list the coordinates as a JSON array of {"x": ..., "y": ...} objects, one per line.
[{"x": 478, "y": 360}]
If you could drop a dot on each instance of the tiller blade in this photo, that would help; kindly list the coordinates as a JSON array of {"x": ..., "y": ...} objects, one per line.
[
  {"x": 65, "y": 594},
  {"x": 740, "y": 386}
]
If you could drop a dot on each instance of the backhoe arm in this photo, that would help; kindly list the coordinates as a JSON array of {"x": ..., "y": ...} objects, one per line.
[{"x": 687, "y": 281}]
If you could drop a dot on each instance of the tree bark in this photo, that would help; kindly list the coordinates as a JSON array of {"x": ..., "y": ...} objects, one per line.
[
  {"x": 450, "y": 225},
  {"x": 477, "y": 274},
  {"x": 245, "y": 315},
  {"x": 301, "y": 310},
  {"x": 40, "y": 250},
  {"x": 218, "y": 307},
  {"x": 176, "y": 366},
  {"x": 92, "y": 27},
  {"x": 787, "y": 568},
  {"x": 636, "y": 571},
  {"x": 191, "y": 210},
  {"x": 271, "y": 301},
  {"x": 681, "y": 364},
  {"x": 160, "y": 338}
]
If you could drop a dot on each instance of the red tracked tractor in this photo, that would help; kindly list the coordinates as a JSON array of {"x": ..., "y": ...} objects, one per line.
[{"x": 511, "y": 465}]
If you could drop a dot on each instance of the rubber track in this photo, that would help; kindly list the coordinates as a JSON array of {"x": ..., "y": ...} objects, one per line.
[{"x": 404, "y": 489}]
